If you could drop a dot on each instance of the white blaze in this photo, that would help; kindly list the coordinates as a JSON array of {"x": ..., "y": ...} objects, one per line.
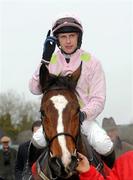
[{"x": 60, "y": 103}]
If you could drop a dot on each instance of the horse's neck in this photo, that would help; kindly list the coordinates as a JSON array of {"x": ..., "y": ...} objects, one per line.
[{"x": 82, "y": 146}]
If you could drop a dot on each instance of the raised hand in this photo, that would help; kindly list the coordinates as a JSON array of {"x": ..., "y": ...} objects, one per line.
[{"x": 49, "y": 47}]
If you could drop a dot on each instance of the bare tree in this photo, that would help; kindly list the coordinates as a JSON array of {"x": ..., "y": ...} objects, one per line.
[
  {"x": 17, "y": 111},
  {"x": 18, "y": 108}
]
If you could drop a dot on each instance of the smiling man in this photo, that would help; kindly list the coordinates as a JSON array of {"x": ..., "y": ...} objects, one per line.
[{"x": 67, "y": 32}]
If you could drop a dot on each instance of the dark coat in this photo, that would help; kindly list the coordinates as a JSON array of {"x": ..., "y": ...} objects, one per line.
[
  {"x": 7, "y": 164},
  {"x": 22, "y": 157},
  {"x": 27, "y": 153}
]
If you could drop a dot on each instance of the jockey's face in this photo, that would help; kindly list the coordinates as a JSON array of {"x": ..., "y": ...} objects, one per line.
[{"x": 68, "y": 41}]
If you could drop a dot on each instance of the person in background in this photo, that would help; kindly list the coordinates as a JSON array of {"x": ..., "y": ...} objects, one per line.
[
  {"x": 7, "y": 159},
  {"x": 122, "y": 169},
  {"x": 67, "y": 32},
  {"x": 111, "y": 128},
  {"x": 23, "y": 154}
]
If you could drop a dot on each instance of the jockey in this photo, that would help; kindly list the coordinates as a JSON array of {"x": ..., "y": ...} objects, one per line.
[{"x": 67, "y": 32}]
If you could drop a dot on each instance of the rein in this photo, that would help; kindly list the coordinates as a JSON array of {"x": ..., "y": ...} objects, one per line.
[{"x": 38, "y": 166}]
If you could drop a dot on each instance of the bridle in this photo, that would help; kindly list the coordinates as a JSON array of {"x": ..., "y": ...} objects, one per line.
[
  {"x": 49, "y": 154},
  {"x": 49, "y": 142}
]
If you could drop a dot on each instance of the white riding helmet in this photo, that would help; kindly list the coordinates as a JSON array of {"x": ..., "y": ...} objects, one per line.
[{"x": 66, "y": 24}]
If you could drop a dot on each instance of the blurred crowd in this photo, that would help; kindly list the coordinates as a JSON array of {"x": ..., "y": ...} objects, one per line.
[{"x": 13, "y": 161}]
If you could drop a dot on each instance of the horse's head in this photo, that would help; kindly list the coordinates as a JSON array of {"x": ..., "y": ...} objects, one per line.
[{"x": 60, "y": 120}]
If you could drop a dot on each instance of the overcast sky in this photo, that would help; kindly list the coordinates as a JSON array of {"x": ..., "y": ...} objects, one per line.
[{"x": 108, "y": 34}]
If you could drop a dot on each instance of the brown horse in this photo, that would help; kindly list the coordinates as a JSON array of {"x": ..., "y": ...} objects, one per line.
[{"x": 61, "y": 123}]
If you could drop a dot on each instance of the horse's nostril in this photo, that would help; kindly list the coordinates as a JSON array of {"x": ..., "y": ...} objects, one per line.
[
  {"x": 60, "y": 170},
  {"x": 58, "y": 162},
  {"x": 73, "y": 163},
  {"x": 56, "y": 165}
]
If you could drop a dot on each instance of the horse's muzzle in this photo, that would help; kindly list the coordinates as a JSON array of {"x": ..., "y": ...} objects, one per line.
[{"x": 58, "y": 168}]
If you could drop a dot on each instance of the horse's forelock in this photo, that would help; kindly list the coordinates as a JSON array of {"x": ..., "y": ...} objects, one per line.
[{"x": 60, "y": 82}]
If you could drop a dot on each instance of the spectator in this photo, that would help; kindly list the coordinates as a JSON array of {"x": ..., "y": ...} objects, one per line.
[
  {"x": 7, "y": 159},
  {"x": 122, "y": 169},
  {"x": 22, "y": 155},
  {"x": 111, "y": 128}
]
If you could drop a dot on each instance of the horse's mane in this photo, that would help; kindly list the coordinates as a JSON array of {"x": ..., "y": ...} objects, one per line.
[{"x": 51, "y": 81}]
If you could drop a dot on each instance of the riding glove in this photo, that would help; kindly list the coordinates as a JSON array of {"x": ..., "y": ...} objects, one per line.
[
  {"x": 49, "y": 47},
  {"x": 82, "y": 116}
]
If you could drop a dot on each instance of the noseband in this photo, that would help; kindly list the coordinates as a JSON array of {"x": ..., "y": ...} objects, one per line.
[
  {"x": 49, "y": 142},
  {"x": 62, "y": 134}
]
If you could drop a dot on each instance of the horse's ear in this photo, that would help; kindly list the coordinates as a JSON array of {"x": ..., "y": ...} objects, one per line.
[
  {"x": 43, "y": 75},
  {"x": 76, "y": 74}
]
